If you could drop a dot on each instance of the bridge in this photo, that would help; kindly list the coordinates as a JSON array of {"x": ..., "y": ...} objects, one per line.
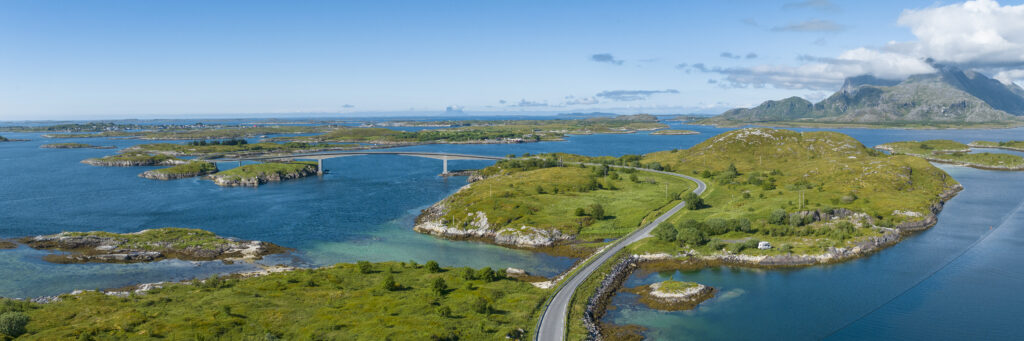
[{"x": 320, "y": 157}]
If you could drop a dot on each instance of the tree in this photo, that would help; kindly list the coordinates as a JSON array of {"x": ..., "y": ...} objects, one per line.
[
  {"x": 597, "y": 211},
  {"x": 467, "y": 274},
  {"x": 580, "y": 212},
  {"x": 13, "y": 323},
  {"x": 666, "y": 231},
  {"x": 777, "y": 217},
  {"x": 486, "y": 274},
  {"x": 438, "y": 286},
  {"x": 693, "y": 201},
  {"x": 433, "y": 267},
  {"x": 480, "y": 305},
  {"x": 540, "y": 189},
  {"x": 389, "y": 283},
  {"x": 364, "y": 267},
  {"x": 691, "y": 237}
]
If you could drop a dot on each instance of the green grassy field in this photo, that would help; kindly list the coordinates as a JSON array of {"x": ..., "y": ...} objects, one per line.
[
  {"x": 954, "y": 152},
  {"x": 676, "y": 286},
  {"x": 346, "y": 301},
  {"x": 549, "y": 198}
]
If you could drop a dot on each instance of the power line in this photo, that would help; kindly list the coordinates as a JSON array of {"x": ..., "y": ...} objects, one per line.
[{"x": 932, "y": 274}]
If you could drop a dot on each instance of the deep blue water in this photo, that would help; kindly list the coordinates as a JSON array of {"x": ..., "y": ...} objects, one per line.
[{"x": 956, "y": 280}]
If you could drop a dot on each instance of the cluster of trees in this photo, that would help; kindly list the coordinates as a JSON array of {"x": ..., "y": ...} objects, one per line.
[
  {"x": 595, "y": 211},
  {"x": 228, "y": 142},
  {"x": 696, "y": 233},
  {"x": 13, "y": 319}
]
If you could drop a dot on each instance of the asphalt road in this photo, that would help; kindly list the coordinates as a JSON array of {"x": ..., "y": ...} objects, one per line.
[{"x": 553, "y": 321}]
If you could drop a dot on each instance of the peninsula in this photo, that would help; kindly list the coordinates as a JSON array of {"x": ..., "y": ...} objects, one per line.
[
  {"x": 674, "y": 132},
  {"x": 952, "y": 152},
  {"x": 147, "y": 246},
  {"x": 1007, "y": 145}
]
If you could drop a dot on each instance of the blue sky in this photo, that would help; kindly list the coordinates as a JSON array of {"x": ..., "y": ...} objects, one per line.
[{"x": 111, "y": 59}]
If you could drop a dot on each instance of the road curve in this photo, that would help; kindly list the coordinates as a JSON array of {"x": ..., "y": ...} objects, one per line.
[{"x": 553, "y": 321}]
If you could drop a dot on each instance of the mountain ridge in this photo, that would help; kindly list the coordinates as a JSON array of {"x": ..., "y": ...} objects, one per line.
[{"x": 949, "y": 96}]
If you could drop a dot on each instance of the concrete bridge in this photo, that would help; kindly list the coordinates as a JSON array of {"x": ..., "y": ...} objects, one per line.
[{"x": 320, "y": 157}]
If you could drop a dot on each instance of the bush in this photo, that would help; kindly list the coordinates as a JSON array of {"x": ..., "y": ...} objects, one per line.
[
  {"x": 735, "y": 247},
  {"x": 751, "y": 243},
  {"x": 716, "y": 244},
  {"x": 580, "y": 212},
  {"x": 691, "y": 237},
  {"x": 666, "y": 232},
  {"x": 389, "y": 283},
  {"x": 13, "y": 323},
  {"x": 487, "y": 275},
  {"x": 438, "y": 286},
  {"x": 433, "y": 267},
  {"x": 597, "y": 211},
  {"x": 481, "y": 306},
  {"x": 786, "y": 248},
  {"x": 693, "y": 201},
  {"x": 365, "y": 267},
  {"x": 777, "y": 217},
  {"x": 468, "y": 274},
  {"x": 444, "y": 311},
  {"x": 848, "y": 198}
]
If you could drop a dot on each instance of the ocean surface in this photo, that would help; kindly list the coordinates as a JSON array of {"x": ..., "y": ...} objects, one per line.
[{"x": 957, "y": 280}]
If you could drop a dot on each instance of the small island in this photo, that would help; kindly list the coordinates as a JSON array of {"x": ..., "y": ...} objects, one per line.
[
  {"x": 217, "y": 148},
  {"x": 952, "y": 152},
  {"x": 1007, "y": 145},
  {"x": 74, "y": 146},
  {"x": 135, "y": 159},
  {"x": 148, "y": 246},
  {"x": 7, "y": 244},
  {"x": 257, "y": 174},
  {"x": 673, "y": 295},
  {"x": 188, "y": 170},
  {"x": 674, "y": 132}
]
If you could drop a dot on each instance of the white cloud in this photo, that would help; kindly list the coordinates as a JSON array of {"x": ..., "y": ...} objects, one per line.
[
  {"x": 974, "y": 32},
  {"x": 977, "y": 34}
]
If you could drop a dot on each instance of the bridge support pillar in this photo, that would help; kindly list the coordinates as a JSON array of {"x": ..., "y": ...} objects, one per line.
[
  {"x": 444, "y": 169},
  {"x": 319, "y": 166}
]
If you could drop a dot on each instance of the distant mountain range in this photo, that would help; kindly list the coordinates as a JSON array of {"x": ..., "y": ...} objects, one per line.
[{"x": 950, "y": 96}]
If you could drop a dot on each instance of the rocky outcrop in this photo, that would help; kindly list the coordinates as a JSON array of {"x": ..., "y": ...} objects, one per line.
[
  {"x": 262, "y": 178},
  {"x": 932, "y": 217},
  {"x": 432, "y": 221},
  {"x": 657, "y": 297},
  {"x": 112, "y": 248}
]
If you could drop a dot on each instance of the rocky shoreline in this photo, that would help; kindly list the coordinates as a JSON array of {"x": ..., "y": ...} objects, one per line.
[
  {"x": 115, "y": 248},
  {"x": 260, "y": 179},
  {"x": 654, "y": 296},
  {"x": 976, "y": 145},
  {"x": 165, "y": 174},
  {"x": 431, "y": 221}
]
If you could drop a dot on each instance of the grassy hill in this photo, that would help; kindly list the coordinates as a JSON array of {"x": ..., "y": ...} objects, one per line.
[
  {"x": 525, "y": 196},
  {"x": 758, "y": 176}
]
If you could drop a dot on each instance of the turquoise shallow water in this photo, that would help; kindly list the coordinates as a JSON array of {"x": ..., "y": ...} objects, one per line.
[{"x": 363, "y": 209}]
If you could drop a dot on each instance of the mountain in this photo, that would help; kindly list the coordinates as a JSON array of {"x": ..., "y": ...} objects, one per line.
[{"x": 948, "y": 96}]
